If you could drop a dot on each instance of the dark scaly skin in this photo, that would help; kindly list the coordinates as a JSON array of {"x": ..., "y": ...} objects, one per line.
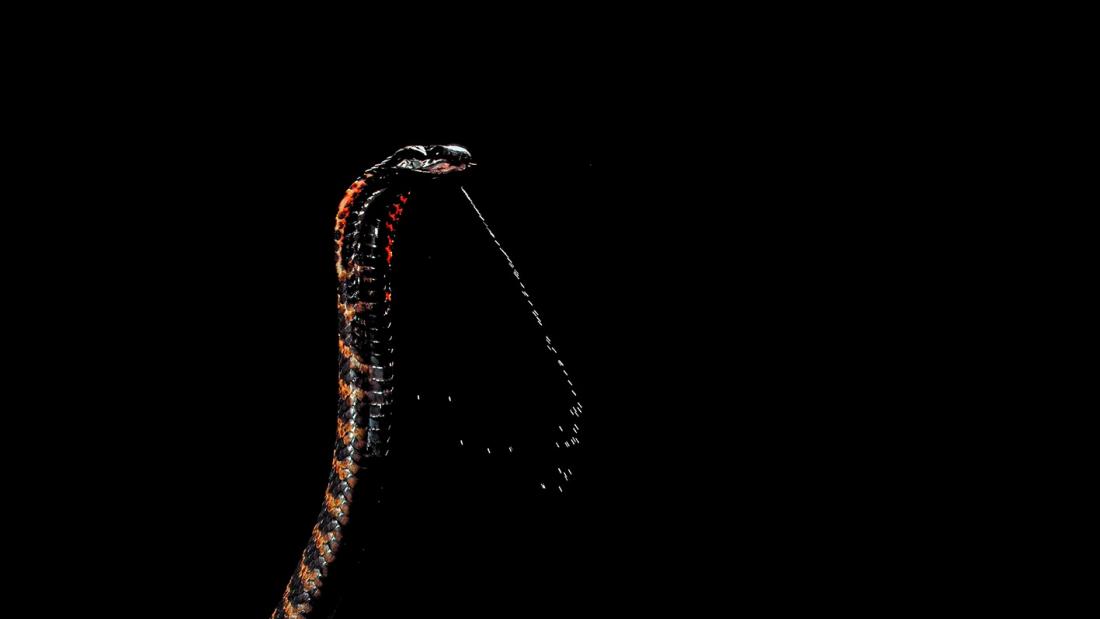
[{"x": 366, "y": 232}]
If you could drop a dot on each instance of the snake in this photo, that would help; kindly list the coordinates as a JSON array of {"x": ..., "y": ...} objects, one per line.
[{"x": 366, "y": 232}]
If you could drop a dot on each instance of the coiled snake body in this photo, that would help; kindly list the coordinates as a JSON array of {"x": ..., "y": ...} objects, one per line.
[{"x": 366, "y": 230}]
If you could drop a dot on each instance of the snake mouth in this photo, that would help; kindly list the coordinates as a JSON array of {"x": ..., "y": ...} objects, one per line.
[
  {"x": 434, "y": 167},
  {"x": 446, "y": 167}
]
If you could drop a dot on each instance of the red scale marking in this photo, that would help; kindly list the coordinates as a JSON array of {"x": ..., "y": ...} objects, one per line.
[{"x": 394, "y": 215}]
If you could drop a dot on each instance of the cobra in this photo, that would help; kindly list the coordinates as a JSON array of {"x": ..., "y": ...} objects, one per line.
[{"x": 367, "y": 225}]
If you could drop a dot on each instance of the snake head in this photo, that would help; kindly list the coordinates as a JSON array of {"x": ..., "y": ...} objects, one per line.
[{"x": 433, "y": 160}]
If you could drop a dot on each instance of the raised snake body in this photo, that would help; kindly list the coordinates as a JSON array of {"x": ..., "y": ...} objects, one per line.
[{"x": 366, "y": 231}]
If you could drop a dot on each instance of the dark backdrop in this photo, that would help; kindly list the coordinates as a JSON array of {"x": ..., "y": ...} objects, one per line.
[{"x": 707, "y": 275}]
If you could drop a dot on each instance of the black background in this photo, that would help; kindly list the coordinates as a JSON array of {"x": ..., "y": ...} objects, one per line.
[
  {"x": 781, "y": 299},
  {"x": 705, "y": 270}
]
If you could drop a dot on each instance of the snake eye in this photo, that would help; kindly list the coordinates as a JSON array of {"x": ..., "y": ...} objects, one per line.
[{"x": 449, "y": 152}]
